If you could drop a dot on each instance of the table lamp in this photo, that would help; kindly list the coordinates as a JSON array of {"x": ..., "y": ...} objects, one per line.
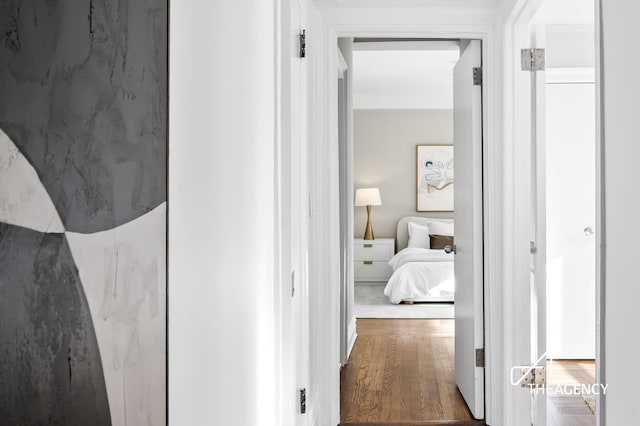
[{"x": 368, "y": 197}]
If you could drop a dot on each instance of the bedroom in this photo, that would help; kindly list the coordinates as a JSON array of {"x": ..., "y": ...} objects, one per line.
[
  {"x": 403, "y": 130},
  {"x": 402, "y": 206}
]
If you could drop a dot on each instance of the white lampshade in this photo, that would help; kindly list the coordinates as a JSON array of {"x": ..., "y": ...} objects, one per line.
[{"x": 368, "y": 197}]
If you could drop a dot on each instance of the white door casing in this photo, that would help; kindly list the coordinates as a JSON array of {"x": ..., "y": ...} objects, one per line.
[
  {"x": 432, "y": 24},
  {"x": 468, "y": 217},
  {"x": 345, "y": 205},
  {"x": 538, "y": 226}
]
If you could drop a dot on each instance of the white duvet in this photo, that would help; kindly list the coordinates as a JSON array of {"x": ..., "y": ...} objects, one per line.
[{"x": 420, "y": 274}]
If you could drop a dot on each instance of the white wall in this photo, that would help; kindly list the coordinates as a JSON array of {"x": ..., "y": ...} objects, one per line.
[
  {"x": 620, "y": 233},
  {"x": 221, "y": 213},
  {"x": 385, "y": 157}
]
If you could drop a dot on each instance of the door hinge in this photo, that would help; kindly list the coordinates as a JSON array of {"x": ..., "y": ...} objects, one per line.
[
  {"x": 293, "y": 283},
  {"x": 533, "y": 377},
  {"x": 303, "y": 43},
  {"x": 480, "y": 357},
  {"x": 303, "y": 400},
  {"x": 532, "y": 59},
  {"x": 477, "y": 76}
]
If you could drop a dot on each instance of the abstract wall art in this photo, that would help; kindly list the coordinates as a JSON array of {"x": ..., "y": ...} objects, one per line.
[
  {"x": 83, "y": 201},
  {"x": 434, "y": 178}
]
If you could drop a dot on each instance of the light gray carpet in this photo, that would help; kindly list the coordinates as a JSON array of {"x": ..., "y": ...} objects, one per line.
[{"x": 370, "y": 302}]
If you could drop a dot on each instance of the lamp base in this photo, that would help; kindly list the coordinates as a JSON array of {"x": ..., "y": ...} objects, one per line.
[{"x": 368, "y": 232}]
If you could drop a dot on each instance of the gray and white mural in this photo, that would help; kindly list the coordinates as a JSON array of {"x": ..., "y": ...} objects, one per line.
[{"x": 83, "y": 152}]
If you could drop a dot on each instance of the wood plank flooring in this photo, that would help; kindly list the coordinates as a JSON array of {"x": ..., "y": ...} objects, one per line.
[
  {"x": 569, "y": 410},
  {"x": 401, "y": 372}
]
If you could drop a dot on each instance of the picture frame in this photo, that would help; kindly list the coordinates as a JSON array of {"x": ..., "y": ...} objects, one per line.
[{"x": 434, "y": 178}]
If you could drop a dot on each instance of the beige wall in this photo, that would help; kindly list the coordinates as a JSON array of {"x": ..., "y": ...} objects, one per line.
[{"x": 385, "y": 156}]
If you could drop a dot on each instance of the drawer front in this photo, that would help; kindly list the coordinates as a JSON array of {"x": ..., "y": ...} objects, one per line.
[
  {"x": 374, "y": 271},
  {"x": 373, "y": 251}
]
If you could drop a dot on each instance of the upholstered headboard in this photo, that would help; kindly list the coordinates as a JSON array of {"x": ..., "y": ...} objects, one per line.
[{"x": 402, "y": 233}]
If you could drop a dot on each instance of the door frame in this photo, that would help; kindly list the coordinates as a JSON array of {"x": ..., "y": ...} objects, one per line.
[
  {"x": 345, "y": 129},
  {"x": 517, "y": 127},
  {"x": 324, "y": 144}
]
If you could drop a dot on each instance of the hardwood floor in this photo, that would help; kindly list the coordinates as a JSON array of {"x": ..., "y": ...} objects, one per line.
[
  {"x": 401, "y": 372},
  {"x": 569, "y": 410}
]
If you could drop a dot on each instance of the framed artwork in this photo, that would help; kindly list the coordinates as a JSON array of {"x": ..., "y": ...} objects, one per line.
[
  {"x": 434, "y": 178},
  {"x": 83, "y": 213}
]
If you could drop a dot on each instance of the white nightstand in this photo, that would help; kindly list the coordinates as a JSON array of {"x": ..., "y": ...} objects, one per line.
[{"x": 371, "y": 259}]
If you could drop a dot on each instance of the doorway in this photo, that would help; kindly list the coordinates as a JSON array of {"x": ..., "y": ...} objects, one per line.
[
  {"x": 571, "y": 251},
  {"x": 421, "y": 351},
  {"x": 563, "y": 319}
]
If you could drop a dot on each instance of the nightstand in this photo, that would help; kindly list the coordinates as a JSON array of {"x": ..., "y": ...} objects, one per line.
[{"x": 371, "y": 259}]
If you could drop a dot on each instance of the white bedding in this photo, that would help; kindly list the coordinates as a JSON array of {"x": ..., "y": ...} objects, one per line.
[{"x": 421, "y": 275}]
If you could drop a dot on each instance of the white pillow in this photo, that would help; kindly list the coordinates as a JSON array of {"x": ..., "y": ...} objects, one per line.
[
  {"x": 418, "y": 236},
  {"x": 441, "y": 228}
]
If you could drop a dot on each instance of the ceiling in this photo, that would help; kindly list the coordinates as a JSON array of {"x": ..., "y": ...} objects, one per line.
[{"x": 404, "y": 79}]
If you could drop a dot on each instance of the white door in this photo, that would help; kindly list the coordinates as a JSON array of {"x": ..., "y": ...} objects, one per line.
[
  {"x": 467, "y": 137},
  {"x": 571, "y": 268}
]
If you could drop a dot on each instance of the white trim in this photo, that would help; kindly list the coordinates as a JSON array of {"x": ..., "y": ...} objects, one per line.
[
  {"x": 342, "y": 64},
  {"x": 601, "y": 406},
  {"x": 473, "y": 26},
  {"x": 516, "y": 256},
  {"x": 323, "y": 397},
  {"x": 352, "y": 335},
  {"x": 571, "y": 75},
  {"x": 407, "y": 45}
]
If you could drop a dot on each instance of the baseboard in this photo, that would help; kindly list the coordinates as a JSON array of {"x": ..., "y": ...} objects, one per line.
[{"x": 351, "y": 335}]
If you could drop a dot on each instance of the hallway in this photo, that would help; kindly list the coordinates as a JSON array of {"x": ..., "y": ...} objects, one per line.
[
  {"x": 236, "y": 142},
  {"x": 402, "y": 372}
]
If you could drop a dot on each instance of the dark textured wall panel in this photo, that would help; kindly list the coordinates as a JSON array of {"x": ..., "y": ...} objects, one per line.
[
  {"x": 83, "y": 94},
  {"x": 50, "y": 368}
]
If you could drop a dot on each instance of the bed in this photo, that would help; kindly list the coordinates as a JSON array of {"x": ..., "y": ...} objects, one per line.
[{"x": 421, "y": 273}]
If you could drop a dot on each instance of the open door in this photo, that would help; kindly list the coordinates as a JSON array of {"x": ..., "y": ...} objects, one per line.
[{"x": 469, "y": 314}]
